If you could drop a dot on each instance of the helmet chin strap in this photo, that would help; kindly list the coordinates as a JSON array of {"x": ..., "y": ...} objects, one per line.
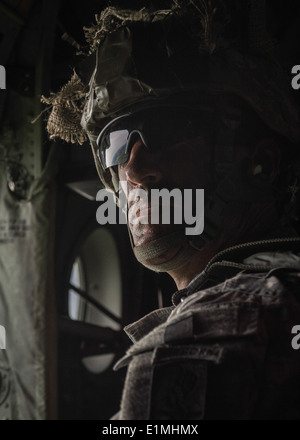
[
  {"x": 187, "y": 247},
  {"x": 158, "y": 247}
]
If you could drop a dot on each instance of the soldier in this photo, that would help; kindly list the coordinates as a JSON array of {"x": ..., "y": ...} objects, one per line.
[{"x": 175, "y": 103}]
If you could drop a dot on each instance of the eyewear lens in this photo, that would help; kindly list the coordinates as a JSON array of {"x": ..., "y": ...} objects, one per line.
[{"x": 158, "y": 128}]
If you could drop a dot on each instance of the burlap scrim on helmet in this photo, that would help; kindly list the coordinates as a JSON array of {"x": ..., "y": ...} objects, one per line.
[
  {"x": 67, "y": 104},
  {"x": 66, "y": 110},
  {"x": 64, "y": 120},
  {"x": 112, "y": 19},
  {"x": 208, "y": 19}
]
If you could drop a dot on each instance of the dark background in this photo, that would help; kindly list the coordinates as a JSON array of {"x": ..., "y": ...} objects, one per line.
[{"x": 34, "y": 68}]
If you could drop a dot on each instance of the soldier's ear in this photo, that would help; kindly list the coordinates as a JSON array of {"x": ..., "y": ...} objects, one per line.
[{"x": 266, "y": 159}]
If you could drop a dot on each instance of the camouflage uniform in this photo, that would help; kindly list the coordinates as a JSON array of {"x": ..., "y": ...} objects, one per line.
[{"x": 223, "y": 350}]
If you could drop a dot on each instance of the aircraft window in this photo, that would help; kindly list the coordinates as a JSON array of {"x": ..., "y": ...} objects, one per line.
[
  {"x": 95, "y": 294},
  {"x": 76, "y": 303}
]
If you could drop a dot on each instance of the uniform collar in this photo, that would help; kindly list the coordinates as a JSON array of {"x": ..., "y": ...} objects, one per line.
[
  {"x": 230, "y": 261},
  {"x": 223, "y": 265}
]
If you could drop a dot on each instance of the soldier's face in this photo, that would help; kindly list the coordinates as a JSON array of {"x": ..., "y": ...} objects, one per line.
[{"x": 184, "y": 166}]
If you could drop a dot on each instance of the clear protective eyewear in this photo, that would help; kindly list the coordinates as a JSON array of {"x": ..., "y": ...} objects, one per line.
[{"x": 158, "y": 128}]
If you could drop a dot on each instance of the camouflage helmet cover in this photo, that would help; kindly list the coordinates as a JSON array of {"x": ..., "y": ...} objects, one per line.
[{"x": 165, "y": 56}]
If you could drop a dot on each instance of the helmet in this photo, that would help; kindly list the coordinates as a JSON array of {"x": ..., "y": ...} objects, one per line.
[
  {"x": 172, "y": 55},
  {"x": 184, "y": 55}
]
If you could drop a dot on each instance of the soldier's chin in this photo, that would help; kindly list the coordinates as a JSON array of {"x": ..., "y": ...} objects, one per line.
[
  {"x": 163, "y": 258},
  {"x": 144, "y": 234}
]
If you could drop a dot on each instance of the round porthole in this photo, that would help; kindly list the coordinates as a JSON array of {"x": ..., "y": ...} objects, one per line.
[{"x": 96, "y": 271}]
